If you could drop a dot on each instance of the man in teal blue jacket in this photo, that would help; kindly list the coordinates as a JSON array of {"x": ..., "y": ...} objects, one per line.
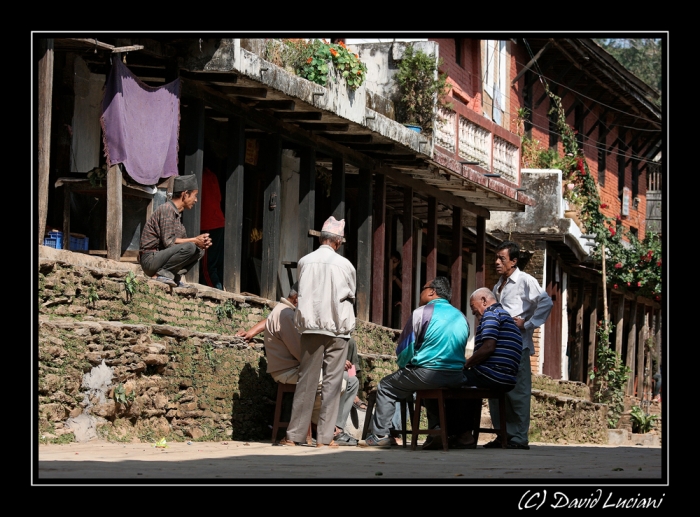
[{"x": 430, "y": 354}]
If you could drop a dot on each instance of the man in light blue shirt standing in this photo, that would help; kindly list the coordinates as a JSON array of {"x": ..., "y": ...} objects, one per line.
[{"x": 521, "y": 295}]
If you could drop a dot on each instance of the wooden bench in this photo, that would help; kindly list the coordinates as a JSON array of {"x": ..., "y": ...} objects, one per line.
[
  {"x": 468, "y": 393},
  {"x": 277, "y": 424}
]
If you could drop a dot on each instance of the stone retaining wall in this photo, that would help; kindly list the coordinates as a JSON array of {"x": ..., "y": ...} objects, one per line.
[{"x": 160, "y": 363}]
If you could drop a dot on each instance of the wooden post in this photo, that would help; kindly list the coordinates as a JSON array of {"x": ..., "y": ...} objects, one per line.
[
  {"x": 114, "y": 213},
  {"x": 577, "y": 367},
  {"x": 641, "y": 349},
  {"x": 338, "y": 193},
  {"x": 431, "y": 257},
  {"x": 378, "y": 250},
  {"x": 592, "y": 325},
  {"x": 631, "y": 346},
  {"x": 193, "y": 164},
  {"x": 234, "y": 195},
  {"x": 271, "y": 217},
  {"x": 307, "y": 200},
  {"x": 619, "y": 323},
  {"x": 66, "y": 215},
  {"x": 390, "y": 240},
  {"x": 407, "y": 256},
  {"x": 605, "y": 289},
  {"x": 456, "y": 262},
  {"x": 480, "y": 265},
  {"x": 45, "y": 85},
  {"x": 364, "y": 246}
]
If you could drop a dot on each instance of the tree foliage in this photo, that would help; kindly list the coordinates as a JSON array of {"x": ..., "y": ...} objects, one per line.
[{"x": 640, "y": 56}]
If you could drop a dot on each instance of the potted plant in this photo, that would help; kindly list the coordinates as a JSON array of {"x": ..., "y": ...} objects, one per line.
[{"x": 421, "y": 89}]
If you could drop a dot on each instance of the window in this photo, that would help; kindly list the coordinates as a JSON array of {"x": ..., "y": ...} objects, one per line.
[
  {"x": 621, "y": 151},
  {"x": 494, "y": 65},
  {"x": 578, "y": 125},
  {"x": 553, "y": 116},
  {"x": 602, "y": 153},
  {"x": 458, "y": 52},
  {"x": 635, "y": 173},
  {"x": 527, "y": 104}
]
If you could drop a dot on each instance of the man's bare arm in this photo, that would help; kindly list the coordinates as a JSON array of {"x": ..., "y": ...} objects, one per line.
[{"x": 250, "y": 334}]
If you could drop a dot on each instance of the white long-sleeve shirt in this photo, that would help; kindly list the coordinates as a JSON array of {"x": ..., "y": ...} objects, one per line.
[{"x": 523, "y": 297}]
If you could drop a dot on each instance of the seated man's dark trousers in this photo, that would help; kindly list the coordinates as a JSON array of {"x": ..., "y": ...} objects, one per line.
[
  {"x": 458, "y": 412},
  {"x": 171, "y": 262}
]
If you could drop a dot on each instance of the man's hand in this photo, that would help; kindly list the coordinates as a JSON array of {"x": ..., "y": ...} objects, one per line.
[
  {"x": 202, "y": 241},
  {"x": 243, "y": 334},
  {"x": 519, "y": 322},
  {"x": 348, "y": 365}
]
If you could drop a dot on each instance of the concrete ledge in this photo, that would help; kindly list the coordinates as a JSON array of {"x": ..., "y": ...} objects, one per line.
[{"x": 624, "y": 437}]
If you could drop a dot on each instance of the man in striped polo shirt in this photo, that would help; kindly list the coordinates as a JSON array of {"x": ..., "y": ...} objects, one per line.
[{"x": 498, "y": 346}]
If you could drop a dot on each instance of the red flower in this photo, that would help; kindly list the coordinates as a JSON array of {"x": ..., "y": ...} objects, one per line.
[
  {"x": 614, "y": 286},
  {"x": 334, "y": 52},
  {"x": 618, "y": 217},
  {"x": 603, "y": 205},
  {"x": 595, "y": 369},
  {"x": 657, "y": 297},
  {"x": 612, "y": 231},
  {"x": 639, "y": 284},
  {"x": 629, "y": 283},
  {"x": 341, "y": 44},
  {"x": 309, "y": 60},
  {"x": 658, "y": 263},
  {"x": 618, "y": 265}
]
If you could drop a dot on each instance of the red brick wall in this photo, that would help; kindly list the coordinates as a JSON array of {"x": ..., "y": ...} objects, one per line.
[{"x": 540, "y": 131}]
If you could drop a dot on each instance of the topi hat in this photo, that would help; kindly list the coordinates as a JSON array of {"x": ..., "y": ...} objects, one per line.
[
  {"x": 332, "y": 225},
  {"x": 182, "y": 183}
]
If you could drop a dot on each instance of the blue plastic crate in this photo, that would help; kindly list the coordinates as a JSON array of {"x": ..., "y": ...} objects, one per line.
[
  {"x": 78, "y": 243},
  {"x": 54, "y": 239}
]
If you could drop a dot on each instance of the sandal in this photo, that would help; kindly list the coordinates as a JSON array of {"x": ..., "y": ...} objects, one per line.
[
  {"x": 287, "y": 443},
  {"x": 360, "y": 406},
  {"x": 332, "y": 444}
]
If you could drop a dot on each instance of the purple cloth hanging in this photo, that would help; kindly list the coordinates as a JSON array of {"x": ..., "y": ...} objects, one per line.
[{"x": 140, "y": 125}]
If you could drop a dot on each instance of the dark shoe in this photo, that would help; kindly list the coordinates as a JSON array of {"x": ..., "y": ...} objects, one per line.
[
  {"x": 512, "y": 445},
  {"x": 344, "y": 438},
  {"x": 433, "y": 443},
  {"x": 494, "y": 444},
  {"x": 166, "y": 280}
]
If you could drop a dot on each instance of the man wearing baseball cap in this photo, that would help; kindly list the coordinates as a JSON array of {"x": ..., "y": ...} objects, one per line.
[
  {"x": 325, "y": 318},
  {"x": 166, "y": 253}
]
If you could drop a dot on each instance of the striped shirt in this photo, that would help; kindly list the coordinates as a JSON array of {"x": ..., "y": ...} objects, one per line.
[
  {"x": 163, "y": 227},
  {"x": 502, "y": 365}
]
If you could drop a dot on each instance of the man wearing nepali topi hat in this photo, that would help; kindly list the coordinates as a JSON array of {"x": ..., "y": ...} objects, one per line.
[
  {"x": 166, "y": 253},
  {"x": 325, "y": 318}
]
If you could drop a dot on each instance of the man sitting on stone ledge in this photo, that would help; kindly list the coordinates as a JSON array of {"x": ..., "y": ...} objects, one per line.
[
  {"x": 283, "y": 352},
  {"x": 165, "y": 251}
]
